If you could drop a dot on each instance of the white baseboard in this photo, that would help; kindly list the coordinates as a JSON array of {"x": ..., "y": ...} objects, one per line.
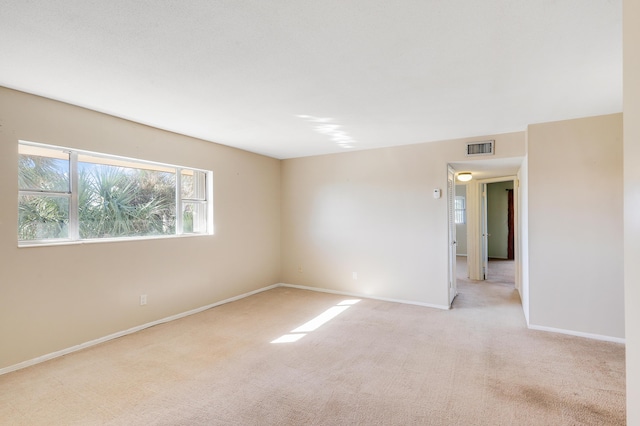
[
  {"x": 578, "y": 334},
  {"x": 132, "y": 330},
  {"x": 365, "y": 296}
]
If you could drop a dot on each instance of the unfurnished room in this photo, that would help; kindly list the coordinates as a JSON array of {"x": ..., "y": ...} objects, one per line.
[{"x": 319, "y": 213}]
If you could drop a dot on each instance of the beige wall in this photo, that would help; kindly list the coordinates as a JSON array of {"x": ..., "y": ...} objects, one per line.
[
  {"x": 372, "y": 212},
  {"x": 52, "y": 298},
  {"x": 631, "y": 107},
  {"x": 575, "y": 225}
]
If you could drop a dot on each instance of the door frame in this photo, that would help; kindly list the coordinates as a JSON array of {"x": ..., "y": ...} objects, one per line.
[
  {"x": 452, "y": 242},
  {"x": 484, "y": 231},
  {"x": 478, "y": 220}
]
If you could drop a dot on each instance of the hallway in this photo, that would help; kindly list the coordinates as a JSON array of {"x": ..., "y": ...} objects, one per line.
[{"x": 499, "y": 271}]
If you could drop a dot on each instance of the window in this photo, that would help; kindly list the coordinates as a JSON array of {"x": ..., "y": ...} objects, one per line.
[
  {"x": 460, "y": 209},
  {"x": 68, "y": 195}
]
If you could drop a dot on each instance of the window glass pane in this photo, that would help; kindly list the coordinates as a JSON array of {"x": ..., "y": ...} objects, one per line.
[
  {"x": 115, "y": 197},
  {"x": 118, "y": 201},
  {"x": 43, "y": 169},
  {"x": 460, "y": 209},
  {"x": 193, "y": 185},
  {"x": 194, "y": 217},
  {"x": 42, "y": 217}
]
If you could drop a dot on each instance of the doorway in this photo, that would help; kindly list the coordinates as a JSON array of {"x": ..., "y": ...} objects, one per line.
[
  {"x": 498, "y": 231},
  {"x": 451, "y": 210},
  {"x": 461, "y": 224},
  {"x": 469, "y": 268}
]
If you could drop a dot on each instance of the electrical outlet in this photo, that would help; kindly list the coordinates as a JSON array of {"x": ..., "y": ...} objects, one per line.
[
  {"x": 143, "y": 299},
  {"x": 355, "y": 275}
]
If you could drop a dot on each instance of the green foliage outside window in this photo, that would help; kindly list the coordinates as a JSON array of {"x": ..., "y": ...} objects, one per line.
[{"x": 113, "y": 201}]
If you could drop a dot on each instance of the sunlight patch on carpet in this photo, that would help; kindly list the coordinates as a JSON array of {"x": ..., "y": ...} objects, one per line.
[{"x": 312, "y": 325}]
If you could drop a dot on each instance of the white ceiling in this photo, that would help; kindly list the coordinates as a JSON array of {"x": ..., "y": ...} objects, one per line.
[{"x": 290, "y": 78}]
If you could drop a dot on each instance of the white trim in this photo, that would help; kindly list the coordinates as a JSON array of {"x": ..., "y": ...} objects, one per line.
[
  {"x": 474, "y": 239},
  {"x": 506, "y": 178},
  {"x": 106, "y": 155},
  {"x": 365, "y": 296},
  {"x": 73, "y": 234},
  {"x": 132, "y": 330},
  {"x": 69, "y": 242},
  {"x": 578, "y": 334},
  {"x": 74, "y": 223}
]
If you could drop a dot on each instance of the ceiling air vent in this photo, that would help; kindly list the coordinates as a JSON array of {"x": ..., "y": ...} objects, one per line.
[{"x": 480, "y": 148}]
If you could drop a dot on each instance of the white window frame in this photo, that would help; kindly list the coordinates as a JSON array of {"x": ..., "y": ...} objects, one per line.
[{"x": 72, "y": 194}]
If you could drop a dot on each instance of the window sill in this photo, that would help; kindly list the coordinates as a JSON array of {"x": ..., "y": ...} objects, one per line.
[{"x": 27, "y": 244}]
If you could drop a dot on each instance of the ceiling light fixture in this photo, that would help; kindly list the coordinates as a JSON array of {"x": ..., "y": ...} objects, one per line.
[{"x": 464, "y": 176}]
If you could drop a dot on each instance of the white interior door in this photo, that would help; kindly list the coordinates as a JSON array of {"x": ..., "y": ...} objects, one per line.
[
  {"x": 484, "y": 246},
  {"x": 451, "y": 193}
]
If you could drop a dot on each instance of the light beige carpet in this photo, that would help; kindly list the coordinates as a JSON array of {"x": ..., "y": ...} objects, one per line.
[{"x": 376, "y": 363}]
